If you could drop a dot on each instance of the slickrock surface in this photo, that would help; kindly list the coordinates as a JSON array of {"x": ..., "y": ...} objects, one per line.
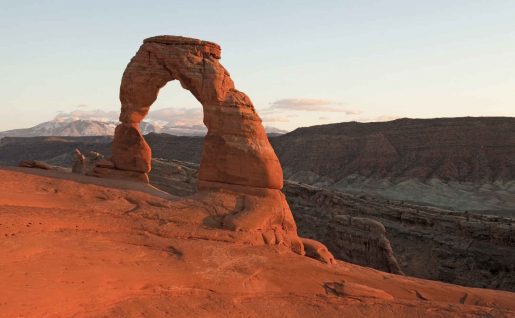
[
  {"x": 72, "y": 249},
  {"x": 236, "y": 148},
  {"x": 461, "y": 248},
  {"x": 358, "y": 240}
]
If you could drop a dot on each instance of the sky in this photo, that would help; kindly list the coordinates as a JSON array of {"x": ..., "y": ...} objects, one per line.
[{"x": 301, "y": 62}]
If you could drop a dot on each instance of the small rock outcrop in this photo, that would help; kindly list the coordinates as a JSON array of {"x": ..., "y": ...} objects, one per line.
[
  {"x": 38, "y": 164},
  {"x": 35, "y": 164},
  {"x": 85, "y": 164}
]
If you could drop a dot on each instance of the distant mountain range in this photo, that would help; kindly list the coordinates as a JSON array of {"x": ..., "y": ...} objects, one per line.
[
  {"x": 84, "y": 127},
  {"x": 56, "y": 128},
  {"x": 76, "y": 127}
]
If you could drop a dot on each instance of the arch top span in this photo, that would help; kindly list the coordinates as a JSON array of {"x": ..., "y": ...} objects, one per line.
[
  {"x": 236, "y": 148},
  {"x": 208, "y": 47}
]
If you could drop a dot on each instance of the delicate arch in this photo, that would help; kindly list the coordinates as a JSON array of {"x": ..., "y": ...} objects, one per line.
[{"x": 236, "y": 148}]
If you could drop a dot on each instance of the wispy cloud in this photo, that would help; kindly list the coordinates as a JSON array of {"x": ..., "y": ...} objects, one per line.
[
  {"x": 178, "y": 116},
  {"x": 312, "y": 105},
  {"x": 173, "y": 116}
]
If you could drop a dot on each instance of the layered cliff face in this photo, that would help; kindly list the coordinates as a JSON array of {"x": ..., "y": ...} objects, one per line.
[
  {"x": 460, "y": 149},
  {"x": 460, "y": 163},
  {"x": 355, "y": 239},
  {"x": 462, "y": 248},
  {"x": 107, "y": 248}
]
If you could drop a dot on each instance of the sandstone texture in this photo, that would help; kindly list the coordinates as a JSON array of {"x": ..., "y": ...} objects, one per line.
[
  {"x": 236, "y": 149},
  {"x": 358, "y": 240},
  {"x": 85, "y": 164},
  {"x": 392, "y": 236},
  {"x": 238, "y": 170},
  {"x": 333, "y": 156},
  {"x": 79, "y": 246}
]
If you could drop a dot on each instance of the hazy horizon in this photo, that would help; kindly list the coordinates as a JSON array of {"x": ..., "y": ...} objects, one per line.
[
  {"x": 301, "y": 63},
  {"x": 187, "y": 118}
]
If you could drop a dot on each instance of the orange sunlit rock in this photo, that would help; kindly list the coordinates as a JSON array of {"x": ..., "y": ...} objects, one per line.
[
  {"x": 78, "y": 246},
  {"x": 236, "y": 148},
  {"x": 238, "y": 161}
]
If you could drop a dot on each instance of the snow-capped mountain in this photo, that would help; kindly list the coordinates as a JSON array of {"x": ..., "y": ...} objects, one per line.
[
  {"x": 64, "y": 128},
  {"x": 179, "y": 122}
]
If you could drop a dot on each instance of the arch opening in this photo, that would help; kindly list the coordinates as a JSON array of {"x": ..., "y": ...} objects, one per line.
[
  {"x": 236, "y": 149},
  {"x": 176, "y": 112}
]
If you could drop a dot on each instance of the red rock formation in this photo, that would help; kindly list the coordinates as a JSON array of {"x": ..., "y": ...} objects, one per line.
[
  {"x": 109, "y": 248},
  {"x": 236, "y": 148},
  {"x": 240, "y": 175}
]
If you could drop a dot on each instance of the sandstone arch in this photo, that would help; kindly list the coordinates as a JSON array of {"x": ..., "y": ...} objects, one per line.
[
  {"x": 240, "y": 176},
  {"x": 236, "y": 148}
]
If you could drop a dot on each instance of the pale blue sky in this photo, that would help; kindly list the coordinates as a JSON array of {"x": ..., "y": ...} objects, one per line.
[{"x": 301, "y": 62}]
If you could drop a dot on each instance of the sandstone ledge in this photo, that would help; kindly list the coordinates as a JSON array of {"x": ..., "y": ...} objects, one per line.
[{"x": 99, "y": 251}]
